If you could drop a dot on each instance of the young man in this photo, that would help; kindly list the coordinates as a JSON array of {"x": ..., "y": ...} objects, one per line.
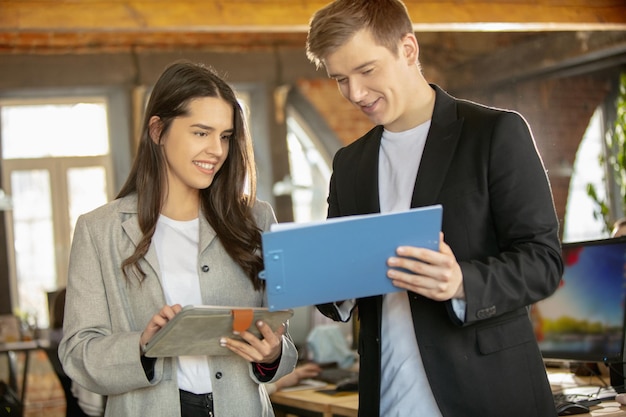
[{"x": 458, "y": 341}]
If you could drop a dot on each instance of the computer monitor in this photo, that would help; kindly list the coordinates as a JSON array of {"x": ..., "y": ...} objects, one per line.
[{"x": 583, "y": 321}]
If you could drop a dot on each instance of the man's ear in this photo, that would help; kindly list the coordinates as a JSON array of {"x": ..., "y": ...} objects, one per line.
[
  {"x": 409, "y": 48},
  {"x": 155, "y": 126}
]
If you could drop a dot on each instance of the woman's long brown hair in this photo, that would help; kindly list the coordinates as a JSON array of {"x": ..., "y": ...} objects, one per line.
[{"x": 227, "y": 202}]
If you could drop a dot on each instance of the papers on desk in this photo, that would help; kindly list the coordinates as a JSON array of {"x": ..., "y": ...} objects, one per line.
[
  {"x": 567, "y": 383},
  {"x": 306, "y": 384},
  {"x": 341, "y": 258}
]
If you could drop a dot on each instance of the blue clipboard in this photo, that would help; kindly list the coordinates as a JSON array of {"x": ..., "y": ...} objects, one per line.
[{"x": 341, "y": 258}]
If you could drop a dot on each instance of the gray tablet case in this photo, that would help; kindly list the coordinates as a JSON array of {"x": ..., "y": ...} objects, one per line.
[{"x": 197, "y": 330}]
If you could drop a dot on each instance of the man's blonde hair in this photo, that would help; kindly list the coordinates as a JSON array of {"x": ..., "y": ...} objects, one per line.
[{"x": 336, "y": 23}]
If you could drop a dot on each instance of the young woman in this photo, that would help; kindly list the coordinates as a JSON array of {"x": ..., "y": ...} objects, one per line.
[{"x": 185, "y": 229}]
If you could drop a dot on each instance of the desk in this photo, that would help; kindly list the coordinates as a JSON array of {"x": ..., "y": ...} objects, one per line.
[
  {"x": 606, "y": 409},
  {"x": 310, "y": 403},
  {"x": 313, "y": 403},
  {"x": 348, "y": 406},
  {"x": 11, "y": 349},
  {"x": 565, "y": 381}
]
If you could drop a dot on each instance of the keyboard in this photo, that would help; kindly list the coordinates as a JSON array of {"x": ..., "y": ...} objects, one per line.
[
  {"x": 335, "y": 375},
  {"x": 582, "y": 399}
]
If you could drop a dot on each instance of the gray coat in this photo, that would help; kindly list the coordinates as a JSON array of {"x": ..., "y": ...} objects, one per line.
[{"x": 105, "y": 315}]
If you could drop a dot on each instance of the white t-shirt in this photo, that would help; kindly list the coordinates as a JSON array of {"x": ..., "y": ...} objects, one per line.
[
  {"x": 404, "y": 385},
  {"x": 176, "y": 244}
]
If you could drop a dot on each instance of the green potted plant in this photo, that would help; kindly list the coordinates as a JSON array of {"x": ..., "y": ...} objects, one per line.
[{"x": 615, "y": 164}]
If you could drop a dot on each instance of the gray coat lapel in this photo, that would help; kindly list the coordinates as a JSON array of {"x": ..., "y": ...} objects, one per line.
[
  {"x": 207, "y": 234},
  {"x": 130, "y": 225}
]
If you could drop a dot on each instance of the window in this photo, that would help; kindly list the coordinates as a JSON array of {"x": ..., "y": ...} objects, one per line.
[
  {"x": 311, "y": 145},
  {"x": 580, "y": 223},
  {"x": 56, "y": 165},
  {"x": 310, "y": 173}
]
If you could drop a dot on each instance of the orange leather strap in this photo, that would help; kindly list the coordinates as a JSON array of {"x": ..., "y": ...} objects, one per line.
[{"x": 242, "y": 319}]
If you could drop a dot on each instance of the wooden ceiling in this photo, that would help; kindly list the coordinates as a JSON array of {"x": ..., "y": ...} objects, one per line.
[
  {"x": 293, "y": 15},
  {"x": 480, "y": 39},
  {"x": 37, "y": 25}
]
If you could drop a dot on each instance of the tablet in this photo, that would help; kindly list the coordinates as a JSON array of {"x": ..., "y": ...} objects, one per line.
[{"x": 197, "y": 329}]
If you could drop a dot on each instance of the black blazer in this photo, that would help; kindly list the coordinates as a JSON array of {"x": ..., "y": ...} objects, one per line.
[{"x": 482, "y": 166}]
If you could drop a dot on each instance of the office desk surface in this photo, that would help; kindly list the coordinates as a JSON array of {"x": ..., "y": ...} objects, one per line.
[
  {"x": 567, "y": 382},
  {"x": 22, "y": 346},
  {"x": 313, "y": 402},
  {"x": 606, "y": 409},
  {"x": 347, "y": 406}
]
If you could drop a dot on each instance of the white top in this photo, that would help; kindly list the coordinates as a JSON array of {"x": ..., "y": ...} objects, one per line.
[
  {"x": 398, "y": 161},
  {"x": 175, "y": 243},
  {"x": 404, "y": 385}
]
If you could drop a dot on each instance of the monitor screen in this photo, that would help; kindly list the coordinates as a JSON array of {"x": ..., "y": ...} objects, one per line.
[{"x": 584, "y": 319}]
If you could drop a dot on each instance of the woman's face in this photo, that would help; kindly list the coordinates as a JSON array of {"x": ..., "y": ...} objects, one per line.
[{"x": 196, "y": 145}]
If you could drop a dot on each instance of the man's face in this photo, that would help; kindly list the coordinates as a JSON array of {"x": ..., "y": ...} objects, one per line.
[{"x": 374, "y": 79}]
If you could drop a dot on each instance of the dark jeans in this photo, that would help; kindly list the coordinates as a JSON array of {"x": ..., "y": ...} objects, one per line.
[{"x": 196, "y": 405}]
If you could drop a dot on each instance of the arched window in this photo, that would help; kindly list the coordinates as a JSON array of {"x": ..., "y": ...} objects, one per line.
[{"x": 580, "y": 223}]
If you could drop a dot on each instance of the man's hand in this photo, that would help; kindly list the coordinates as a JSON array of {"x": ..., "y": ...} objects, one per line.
[{"x": 436, "y": 275}]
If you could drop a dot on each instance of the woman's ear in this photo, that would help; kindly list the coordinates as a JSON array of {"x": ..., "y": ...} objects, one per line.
[{"x": 155, "y": 126}]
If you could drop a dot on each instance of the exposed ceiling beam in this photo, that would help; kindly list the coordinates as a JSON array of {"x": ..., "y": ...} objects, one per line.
[
  {"x": 124, "y": 41},
  {"x": 293, "y": 15},
  {"x": 566, "y": 53}
]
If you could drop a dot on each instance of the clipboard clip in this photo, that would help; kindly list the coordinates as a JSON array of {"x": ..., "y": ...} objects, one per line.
[
  {"x": 242, "y": 319},
  {"x": 274, "y": 261}
]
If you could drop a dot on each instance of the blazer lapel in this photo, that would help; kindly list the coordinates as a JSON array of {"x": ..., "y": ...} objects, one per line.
[
  {"x": 367, "y": 174},
  {"x": 207, "y": 234},
  {"x": 133, "y": 231},
  {"x": 441, "y": 142}
]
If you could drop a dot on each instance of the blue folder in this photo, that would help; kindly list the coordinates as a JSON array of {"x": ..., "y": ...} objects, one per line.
[{"x": 341, "y": 258}]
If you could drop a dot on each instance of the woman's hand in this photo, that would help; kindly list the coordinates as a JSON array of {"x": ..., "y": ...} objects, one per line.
[
  {"x": 158, "y": 321},
  {"x": 266, "y": 349},
  {"x": 307, "y": 370}
]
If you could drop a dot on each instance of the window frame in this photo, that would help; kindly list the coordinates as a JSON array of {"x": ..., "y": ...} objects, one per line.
[{"x": 117, "y": 164}]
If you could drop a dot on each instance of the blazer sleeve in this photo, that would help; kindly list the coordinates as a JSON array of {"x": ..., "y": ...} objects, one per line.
[
  {"x": 92, "y": 354},
  {"x": 500, "y": 221},
  {"x": 265, "y": 217}
]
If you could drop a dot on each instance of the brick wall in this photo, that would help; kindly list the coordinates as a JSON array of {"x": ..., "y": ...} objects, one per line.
[
  {"x": 348, "y": 122},
  {"x": 558, "y": 111}
]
